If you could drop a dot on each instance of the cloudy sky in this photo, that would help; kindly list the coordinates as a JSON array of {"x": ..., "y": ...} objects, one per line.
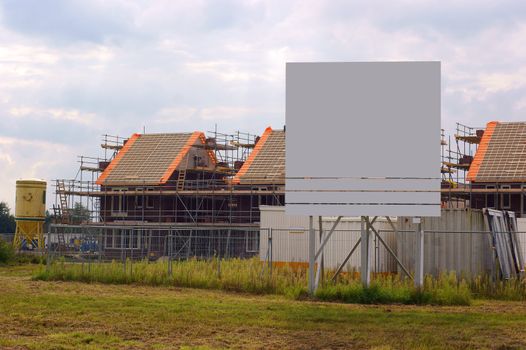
[{"x": 72, "y": 70}]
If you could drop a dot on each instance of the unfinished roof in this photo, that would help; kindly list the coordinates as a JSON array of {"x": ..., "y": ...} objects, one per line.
[
  {"x": 266, "y": 163},
  {"x": 501, "y": 155},
  {"x": 149, "y": 159}
]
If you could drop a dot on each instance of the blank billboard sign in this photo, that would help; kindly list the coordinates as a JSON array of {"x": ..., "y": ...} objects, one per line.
[{"x": 363, "y": 138}]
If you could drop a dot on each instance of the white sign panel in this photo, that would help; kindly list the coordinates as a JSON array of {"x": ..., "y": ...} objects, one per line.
[{"x": 363, "y": 138}]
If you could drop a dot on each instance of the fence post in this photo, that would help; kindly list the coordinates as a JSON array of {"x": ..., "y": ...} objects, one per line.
[
  {"x": 419, "y": 254},
  {"x": 123, "y": 252},
  {"x": 170, "y": 240},
  {"x": 82, "y": 237},
  {"x": 131, "y": 251},
  {"x": 219, "y": 254},
  {"x": 101, "y": 238},
  {"x": 90, "y": 238},
  {"x": 270, "y": 251},
  {"x": 49, "y": 245}
]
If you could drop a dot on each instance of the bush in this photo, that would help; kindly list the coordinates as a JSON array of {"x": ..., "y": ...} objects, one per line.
[
  {"x": 445, "y": 290},
  {"x": 21, "y": 259},
  {"x": 9, "y": 256},
  {"x": 7, "y": 253}
]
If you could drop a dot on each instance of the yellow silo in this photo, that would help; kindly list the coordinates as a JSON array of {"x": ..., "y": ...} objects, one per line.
[{"x": 30, "y": 212}]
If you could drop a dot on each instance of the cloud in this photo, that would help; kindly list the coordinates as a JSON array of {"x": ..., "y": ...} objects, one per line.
[
  {"x": 216, "y": 113},
  {"x": 72, "y": 70},
  {"x": 66, "y": 21},
  {"x": 226, "y": 71},
  {"x": 226, "y": 113},
  {"x": 175, "y": 114},
  {"x": 502, "y": 82},
  {"x": 70, "y": 115},
  {"x": 25, "y": 158}
]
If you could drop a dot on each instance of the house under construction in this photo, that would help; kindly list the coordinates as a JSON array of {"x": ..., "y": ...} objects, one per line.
[
  {"x": 218, "y": 179},
  {"x": 170, "y": 180},
  {"x": 486, "y": 167},
  {"x": 157, "y": 183},
  {"x": 178, "y": 179}
]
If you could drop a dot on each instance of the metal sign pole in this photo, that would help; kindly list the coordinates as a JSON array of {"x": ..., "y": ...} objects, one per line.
[
  {"x": 365, "y": 269},
  {"x": 312, "y": 253},
  {"x": 419, "y": 254}
]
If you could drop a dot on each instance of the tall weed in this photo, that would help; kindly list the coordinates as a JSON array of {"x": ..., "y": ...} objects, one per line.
[{"x": 252, "y": 276}]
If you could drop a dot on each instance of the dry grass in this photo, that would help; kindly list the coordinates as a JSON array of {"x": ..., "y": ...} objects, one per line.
[
  {"x": 72, "y": 315},
  {"x": 250, "y": 276}
]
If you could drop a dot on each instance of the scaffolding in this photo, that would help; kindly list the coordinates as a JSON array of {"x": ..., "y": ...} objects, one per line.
[
  {"x": 457, "y": 154},
  {"x": 231, "y": 150},
  {"x": 204, "y": 195},
  {"x": 198, "y": 196},
  {"x": 70, "y": 207}
]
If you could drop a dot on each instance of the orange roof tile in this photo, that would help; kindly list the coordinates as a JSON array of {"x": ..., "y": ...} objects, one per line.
[
  {"x": 266, "y": 163},
  {"x": 117, "y": 159},
  {"x": 150, "y": 159}
]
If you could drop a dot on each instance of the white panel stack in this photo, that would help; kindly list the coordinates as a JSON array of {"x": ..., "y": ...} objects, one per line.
[{"x": 363, "y": 139}]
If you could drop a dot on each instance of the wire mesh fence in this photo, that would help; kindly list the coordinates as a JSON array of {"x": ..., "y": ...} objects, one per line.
[
  {"x": 290, "y": 246},
  {"x": 392, "y": 251},
  {"x": 105, "y": 243},
  {"x": 7, "y": 237},
  {"x": 468, "y": 253}
]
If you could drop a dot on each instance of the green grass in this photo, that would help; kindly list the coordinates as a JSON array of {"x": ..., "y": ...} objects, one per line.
[
  {"x": 513, "y": 289},
  {"x": 250, "y": 276},
  {"x": 445, "y": 290},
  {"x": 7, "y": 253},
  {"x": 232, "y": 275},
  {"x": 73, "y": 315},
  {"x": 9, "y": 256}
]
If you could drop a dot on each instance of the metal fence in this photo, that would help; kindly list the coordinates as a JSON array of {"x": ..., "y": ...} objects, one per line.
[
  {"x": 89, "y": 244},
  {"x": 7, "y": 237},
  {"x": 290, "y": 246},
  {"x": 104, "y": 243},
  {"x": 468, "y": 253}
]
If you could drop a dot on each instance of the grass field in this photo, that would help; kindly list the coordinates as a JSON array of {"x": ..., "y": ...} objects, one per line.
[
  {"x": 72, "y": 315},
  {"x": 250, "y": 276}
]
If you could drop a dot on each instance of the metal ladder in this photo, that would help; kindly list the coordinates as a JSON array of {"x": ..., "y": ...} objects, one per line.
[{"x": 61, "y": 241}]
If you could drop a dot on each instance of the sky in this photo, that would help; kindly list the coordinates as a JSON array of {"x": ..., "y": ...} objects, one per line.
[{"x": 73, "y": 70}]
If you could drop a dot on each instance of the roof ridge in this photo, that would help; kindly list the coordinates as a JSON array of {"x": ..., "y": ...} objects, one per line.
[{"x": 169, "y": 133}]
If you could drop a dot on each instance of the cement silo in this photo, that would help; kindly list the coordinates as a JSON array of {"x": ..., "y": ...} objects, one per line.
[{"x": 30, "y": 213}]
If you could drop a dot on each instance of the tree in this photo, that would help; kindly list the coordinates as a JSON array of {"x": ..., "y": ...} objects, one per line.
[
  {"x": 47, "y": 221},
  {"x": 7, "y": 221},
  {"x": 79, "y": 214}
]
